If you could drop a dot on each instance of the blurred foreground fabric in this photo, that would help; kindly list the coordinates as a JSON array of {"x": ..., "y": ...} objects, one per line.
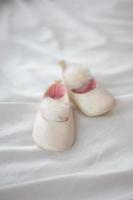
[{"x": 34, "y": 35}]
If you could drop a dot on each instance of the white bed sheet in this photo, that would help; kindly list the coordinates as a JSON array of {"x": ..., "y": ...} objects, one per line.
[{"x": 34, "y": 34}]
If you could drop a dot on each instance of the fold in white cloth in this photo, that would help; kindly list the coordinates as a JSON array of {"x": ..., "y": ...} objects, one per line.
[{"x": 33, "y": 36}]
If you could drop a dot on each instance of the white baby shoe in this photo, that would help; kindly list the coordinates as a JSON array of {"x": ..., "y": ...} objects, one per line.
[
  {"x": 89, "y": 95},
  {"x": 54, "y": 125}
]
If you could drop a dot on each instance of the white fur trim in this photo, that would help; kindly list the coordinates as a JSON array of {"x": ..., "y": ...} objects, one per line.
[{"x": 54, "y": 110}]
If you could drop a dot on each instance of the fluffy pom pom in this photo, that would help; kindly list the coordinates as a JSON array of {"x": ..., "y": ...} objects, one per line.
[
  {"x": 54, "y": 110},
  {"x": 76, "y": 76}
]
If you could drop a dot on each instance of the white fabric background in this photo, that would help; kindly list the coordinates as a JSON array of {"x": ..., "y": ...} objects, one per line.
[{"x": 34, "y": 34}]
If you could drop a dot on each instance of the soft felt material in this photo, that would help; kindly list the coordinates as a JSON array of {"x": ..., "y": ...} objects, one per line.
[
  {"x": 94, "y": 101},
  {"x": 54, "y": 127},
  {"x": 34, "y": 35}
]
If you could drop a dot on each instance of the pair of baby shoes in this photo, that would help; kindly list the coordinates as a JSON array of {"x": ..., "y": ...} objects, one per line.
[{"x": 54, "y": 127}]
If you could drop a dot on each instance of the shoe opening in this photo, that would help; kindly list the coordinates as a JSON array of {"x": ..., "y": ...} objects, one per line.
[
  {"x": 56, "y": 91},
  {"x": 87, "y": 87}
]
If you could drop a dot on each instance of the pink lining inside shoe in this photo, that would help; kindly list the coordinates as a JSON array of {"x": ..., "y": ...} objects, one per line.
[
  {"x": 87, "y": 87},
  {"x": 56, "y": 91}
]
